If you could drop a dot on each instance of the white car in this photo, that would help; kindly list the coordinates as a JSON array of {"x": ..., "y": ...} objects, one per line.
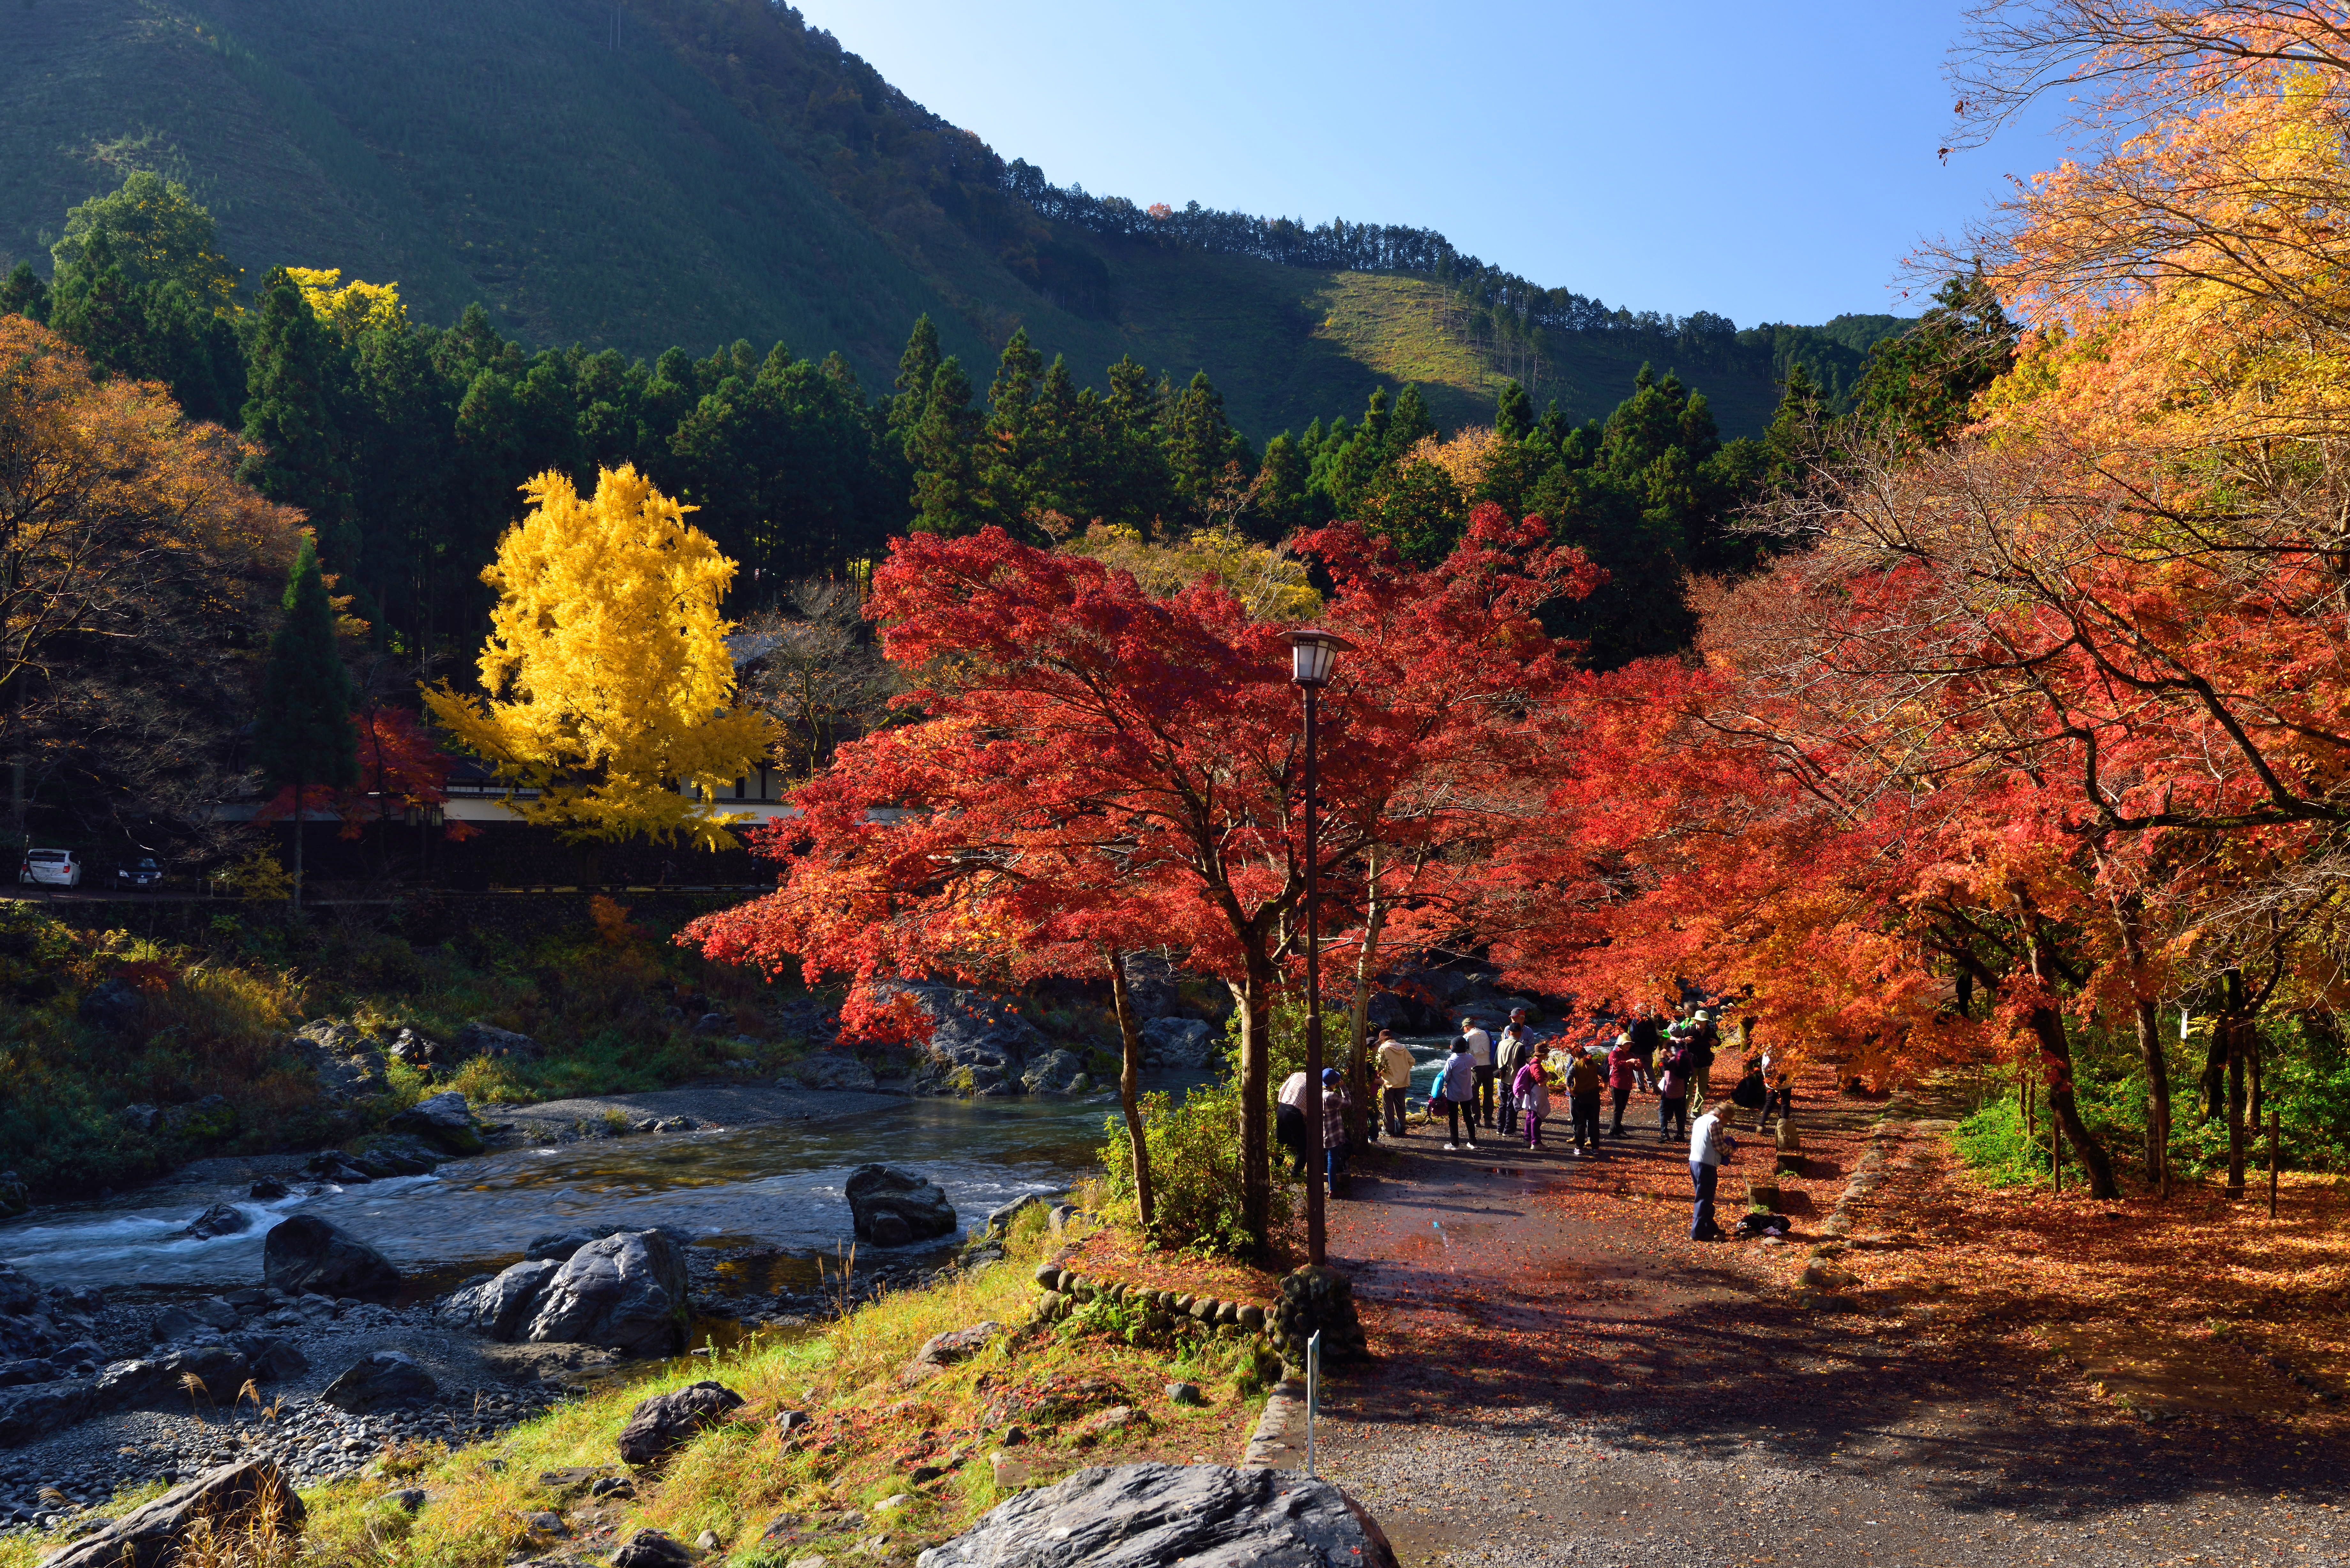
[{"x": 50, "y": 868}]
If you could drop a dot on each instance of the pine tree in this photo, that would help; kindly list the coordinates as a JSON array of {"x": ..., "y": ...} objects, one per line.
[
  {"x": 1513, "y": 413},
  {"x": 949, "y": 489},
  {"x": 916, "y": 366},
  {"x": 303, "y": 739},
  {"x": 1200, "y": 446},
  {"x": 294, "y": 378},
  {"x": 1410, "y": 424},
  {"x": 24, "y": 293}
]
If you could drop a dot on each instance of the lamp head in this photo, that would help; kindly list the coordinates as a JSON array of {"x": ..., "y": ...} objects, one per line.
[{"x": 1315, "y": 654}]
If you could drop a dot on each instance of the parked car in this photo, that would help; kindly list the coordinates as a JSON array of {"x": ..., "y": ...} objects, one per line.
[
  {"x": 50, "y": 868},
  {"x": 145, "y": 873}
]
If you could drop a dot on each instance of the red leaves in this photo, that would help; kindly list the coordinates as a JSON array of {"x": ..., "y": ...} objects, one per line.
[{"x": 399, "y": 769}]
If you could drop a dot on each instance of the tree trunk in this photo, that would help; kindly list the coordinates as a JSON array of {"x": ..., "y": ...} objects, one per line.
[
  {"x": 1358, "y": 1111},
  {"x": 2047, "y": 1026},
  {"x": 2156, "y": 1064},
  {"x": 2229, "y": 1030},
  {"x": 1130, "y": 1084},
  {"x": 1254, "y": 995},
  {"x": 297, "y": 846}
]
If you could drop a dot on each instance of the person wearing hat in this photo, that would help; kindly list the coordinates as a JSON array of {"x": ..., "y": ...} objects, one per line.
[
  {"x": 1394, "y": 1065},
  {"x": 1702, "y": 1040},
  {"x": 1480, "y": 1057},
  {"x": 1334, "y": 1130},
  {"x": 1513, "y": 1051}
]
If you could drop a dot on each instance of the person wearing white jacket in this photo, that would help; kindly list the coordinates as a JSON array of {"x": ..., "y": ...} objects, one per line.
[{"x": 1709, "y": 1145}]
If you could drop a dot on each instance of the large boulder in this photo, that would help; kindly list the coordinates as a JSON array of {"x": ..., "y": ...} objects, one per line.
[
  {"x": 668, "y": 1421},
  {"x": 17, "y": 1293},
  {"x": 240, "y": 1498},
  {"x": 219, "y": 1370},
  {"x": 380, "y": 1381},
  {"x": 1054, "y": 1073},
  {"x": 827, "y": 1070},
  {"x": 977, "y": 1041},
  {"x": 651, "y": 1549},
  {"x": 305, "y": 1255},
  {"x": 220, "y": 1220},
  {"x": 271, "y": 1358},
  {"x": 1151, "y": 986},
  {"x": 347, "y": 1061},
  {"x": 891, "y": 1208},
  {"x": 626, "y": 1291},
  {"x": 29, "y": 1414},
  {"x": 1180, "y": 1042},
  {"x": 1211, "y": 1514},
  {"x": 480, "y": 1039},
  {"x": 114, "y": 1005},
  {"x": 499, "y": 1308},
  {"x": 442, "y": 1119},
  {"x": 192, "y": 1320}
]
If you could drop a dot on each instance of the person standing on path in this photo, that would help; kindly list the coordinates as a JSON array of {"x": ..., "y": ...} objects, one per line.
[
  {"x": 1480, "y": 1057},
  {"x": 1672, "y": 1095},
  {"x": 1648, "y": 1039},
  {"x": 1289, "y": 1121},
  {"x": 1459, "y": 1083},
  {"x": 1583, "y": 1101},
  {"x": 1511, "y": 1052},
  {"x": 1532, "y": 1096},
  {"x": 1334, "y": 1130},
  {"x": 1394, "y": 1065},
  {"x": 1709, "y": 1145},
  {"x": 1704, "y": 1040},
  {"x": 1623, "y": 1069}
]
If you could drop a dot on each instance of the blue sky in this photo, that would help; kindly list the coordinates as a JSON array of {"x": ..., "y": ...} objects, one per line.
[{"x": 1767, "y": 161}]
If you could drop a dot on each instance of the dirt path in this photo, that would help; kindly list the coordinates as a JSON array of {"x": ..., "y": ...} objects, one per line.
[{"x": 1564, "y": 1377}]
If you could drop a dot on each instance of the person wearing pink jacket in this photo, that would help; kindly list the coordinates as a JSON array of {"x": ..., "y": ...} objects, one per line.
[{"x": 1623, "y": 1072}]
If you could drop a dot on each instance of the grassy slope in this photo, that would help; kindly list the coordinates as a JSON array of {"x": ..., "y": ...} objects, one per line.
[{"x": 499, "y": 151}]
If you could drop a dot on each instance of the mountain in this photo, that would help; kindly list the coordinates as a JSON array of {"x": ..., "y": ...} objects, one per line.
[{"x": 695, "y": 171}]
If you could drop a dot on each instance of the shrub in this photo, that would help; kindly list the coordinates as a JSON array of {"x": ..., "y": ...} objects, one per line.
[{"x": 1195, "y": 1171}]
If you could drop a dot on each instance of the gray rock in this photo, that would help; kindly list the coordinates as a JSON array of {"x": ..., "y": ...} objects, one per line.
[
  {"x": 710, "y": 1024},
  {"x": 957, "y": 1345},
  {"x": 305, "y": 1255},
  {"x": 444, "y": 1120},
  {"x": 348, "y": 1063},
  {"x": 891, "y": 1208},
  {"x": 114, "y": 1005},
  {"x": 557, "y": 1247},
  {"x": 272, "y": 1359},
  {"x": 140, "y": 1118},
  {"x": 181, "y": 1319},
  {"x": 1000, "y": 1217},
  {"x": 651, "y": 1549},
  {"x": 480, "y": 1039},
  {"x": 500, "y": 1307},
  {"x": 1151, "y": 986},
  {"x": 1186, "y": 1042},
  {"x": 28, "y": 1415},
  {"x": 396, "y": 1154},
  {"x": 1214, "y": 1515},
  {"x": 828, "y": 1071},
  {"x": 383, "y": 1379},
  {"x": 239, "y": 1496},
  {"x": 627, "y": 1291},
  {"x": 220, "y": 1370},
  {"x": 269, "y": 1189},
  {"x": 668, "y": 1421},
  {"x": 17, "y": 1293},
  {"x": 210, "y": 1117},
  {"x": 972, "y": 1029},
  {"x": 220, "y": 1220},
  {"x": 1053, "y": 1073}
]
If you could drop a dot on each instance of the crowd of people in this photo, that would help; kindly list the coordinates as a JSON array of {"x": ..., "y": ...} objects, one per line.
[{"x": 1508, "y": 1086}]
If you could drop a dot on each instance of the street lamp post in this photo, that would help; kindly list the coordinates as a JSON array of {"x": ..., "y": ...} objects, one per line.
[{"x": 1315, "y": 653}]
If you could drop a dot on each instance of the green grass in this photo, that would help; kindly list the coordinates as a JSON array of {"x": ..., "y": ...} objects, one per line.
[{"x": 870, "y": 1429}]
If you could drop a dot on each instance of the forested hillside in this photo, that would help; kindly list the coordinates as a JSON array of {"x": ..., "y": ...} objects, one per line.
[{"x": 701, "y": 171}]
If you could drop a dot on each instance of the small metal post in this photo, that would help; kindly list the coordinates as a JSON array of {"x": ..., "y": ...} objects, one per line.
[{"x": 1313, "y": 1393}]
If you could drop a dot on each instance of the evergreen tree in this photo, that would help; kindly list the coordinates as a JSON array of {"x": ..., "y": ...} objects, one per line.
[
  {"x": 293, "y": 381},
  {"x": 916, "y": 366},
  {"x": 1280, "y": 498},
  {"x": 302, "y": 737},
  {"x": 1202, "y": 447},
  {"x": 1410, "y": 424},
  {"x": 24, "y": 293},
  {"x": 951, "y": 494},
  {"x": 1513, "y": 413},
  {"x": 157, "y": 233},
  {"x": 1921, "y": 387}
]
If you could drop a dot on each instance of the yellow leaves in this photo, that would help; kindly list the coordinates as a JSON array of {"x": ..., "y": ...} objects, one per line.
[
  {"x": 608, "y": 678},
  {"x": 1465, "y": 459},
  {"x": 1271, "y": 584},
  {"x": 355, "y": 307}
]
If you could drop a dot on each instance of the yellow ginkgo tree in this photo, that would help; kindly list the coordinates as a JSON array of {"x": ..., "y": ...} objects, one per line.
[{"x": 608, "y": 677}]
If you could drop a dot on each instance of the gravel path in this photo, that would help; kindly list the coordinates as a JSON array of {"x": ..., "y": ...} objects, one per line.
[{"x": 1563, "y": 1377}]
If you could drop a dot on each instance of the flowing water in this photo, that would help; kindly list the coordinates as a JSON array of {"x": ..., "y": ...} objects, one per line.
[{"x": 777, "y": 1186}]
